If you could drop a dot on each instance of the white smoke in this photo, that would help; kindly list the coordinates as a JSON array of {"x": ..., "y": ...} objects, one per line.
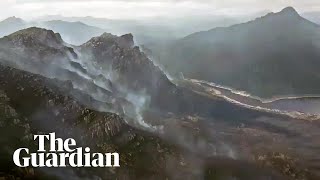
[
  {"x": 92, "y": 79},
  {"x": 139, "y": 100}
]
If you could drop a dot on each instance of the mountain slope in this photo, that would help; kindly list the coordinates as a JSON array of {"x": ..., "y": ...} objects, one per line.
[
  {"x": 129, "y": 65},
  {"x": 32, "y": 104},
  {"x": 116, "y": 75},
  {"x": 277, "y": 54}
]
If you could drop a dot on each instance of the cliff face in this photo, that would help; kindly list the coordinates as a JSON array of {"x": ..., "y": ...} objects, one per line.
[
  {"x": 131, "y": 71},
  {"x": 132, "y": 67}
]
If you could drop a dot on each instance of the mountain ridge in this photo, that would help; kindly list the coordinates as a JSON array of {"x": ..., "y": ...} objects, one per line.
[
  {"x": 286, "y": 12},
  {"x": 247, "y": 55}
]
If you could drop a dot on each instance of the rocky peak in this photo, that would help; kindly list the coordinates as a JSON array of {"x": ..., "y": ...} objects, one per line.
[
  {"x": 106, "y": 40},
  {"x": 283, "y": 19},
  {"x": 289, "y": 11},
  {"x": 36, "y": 36},
  {"x": 127, "y": 39},
  {"x": 43, "y": 42},
  {"x": 134, "y": 69}
]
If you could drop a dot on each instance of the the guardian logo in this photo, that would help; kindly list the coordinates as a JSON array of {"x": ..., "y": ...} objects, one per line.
[{"x": 62, "y": 153}]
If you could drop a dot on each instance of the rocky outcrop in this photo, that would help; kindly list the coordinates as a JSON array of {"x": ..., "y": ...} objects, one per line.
[
  {"x": 132, "y": 65},
  {"x": 35, "y": 36},
  {"x": 37, "y": 43}
]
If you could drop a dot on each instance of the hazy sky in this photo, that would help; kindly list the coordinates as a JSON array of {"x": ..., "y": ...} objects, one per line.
[{"x": 123, "y": 9}]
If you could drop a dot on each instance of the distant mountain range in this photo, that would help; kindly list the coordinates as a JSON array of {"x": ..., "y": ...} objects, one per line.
[
  {"x": 10, "y": 25},
  {"x": 149, "y": 32},
  {"x": 72, "y": 32},
  {"x": 277, "y": 54}
]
